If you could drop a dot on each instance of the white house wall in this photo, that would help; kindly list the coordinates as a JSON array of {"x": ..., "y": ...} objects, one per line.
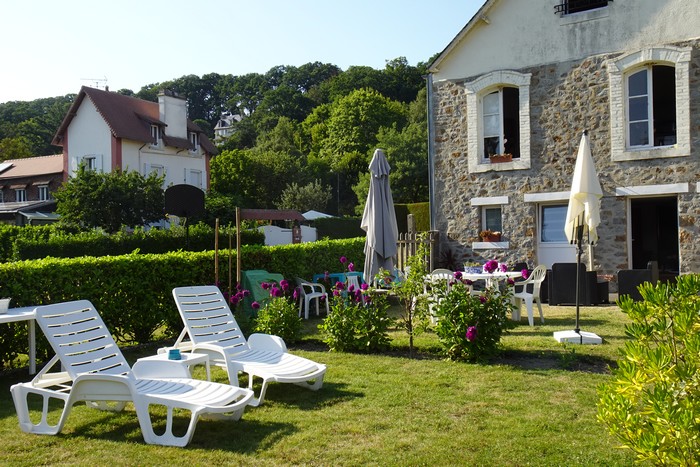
[
  {"x": 525, "y": 33},
  {"x": 137, "y": 156},
  {"x": 88, "y": 134}
]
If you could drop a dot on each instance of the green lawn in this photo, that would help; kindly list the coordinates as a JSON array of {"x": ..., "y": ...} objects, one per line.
[{"x": 535, "y": 405}]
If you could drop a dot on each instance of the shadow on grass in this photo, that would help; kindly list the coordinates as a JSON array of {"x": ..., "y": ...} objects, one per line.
[{"x": 566, "y": 359}]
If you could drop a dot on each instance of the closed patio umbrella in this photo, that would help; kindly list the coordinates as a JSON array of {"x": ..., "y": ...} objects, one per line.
[
  {"x": 379, "y": 219},
  {"x": 581, "y": 226}
]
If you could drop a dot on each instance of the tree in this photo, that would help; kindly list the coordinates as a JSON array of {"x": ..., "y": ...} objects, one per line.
[
  {"x": 307, "y": 197},
  {"x": 110, "y": 200}
]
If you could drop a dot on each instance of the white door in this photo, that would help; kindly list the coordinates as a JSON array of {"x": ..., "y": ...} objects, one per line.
[{"x": 552, "y": 245}]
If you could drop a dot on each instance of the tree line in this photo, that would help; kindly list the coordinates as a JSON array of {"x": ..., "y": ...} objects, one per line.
[{"x": 303, "y": 136}]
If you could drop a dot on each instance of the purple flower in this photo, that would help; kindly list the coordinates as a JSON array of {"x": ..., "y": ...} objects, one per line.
[
  {"x": 336, "y": 293},
  {"x": 245, "y": 292},
  {"x": 458, "y": 275},
  {"x": 284, "y": 283},
  {"x": 364, "y": 286},
  {"x": 358, "y": 295},
  {"x": 276, "y": 292},
  {"x": 482, "y": 298},
  {"x": 525, "y": 273},
  {"x": 339, "y": 286},
  {"x": 491, "y": 266},
  {"x": 343, "y": 259},
  {"x": 469, "y": 282},
  {"x": 295, "y": 294},
  {"x": 255, "y": 305},
  {"x": 471, "y": 333},
  {"x": 503, "y": 267},
  {"x": 511, "y": 281},
  {"x": 265, "y": 286},
  {"x": 351, "y": 288},
  {"x": 351, "y": 267}
]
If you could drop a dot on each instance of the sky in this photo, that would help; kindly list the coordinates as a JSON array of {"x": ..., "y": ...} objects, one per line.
[{"x": 51, "y": 48}]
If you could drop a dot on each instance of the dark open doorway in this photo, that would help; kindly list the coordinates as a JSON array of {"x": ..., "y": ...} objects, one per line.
[{"x": 655, "y": 234}]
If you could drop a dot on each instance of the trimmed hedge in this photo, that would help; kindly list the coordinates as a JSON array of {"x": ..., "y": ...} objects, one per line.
[
  {"x": 33, "y": 243},
  {"x": 421, "y": 215},
  {"x": 133, "y": 292}
]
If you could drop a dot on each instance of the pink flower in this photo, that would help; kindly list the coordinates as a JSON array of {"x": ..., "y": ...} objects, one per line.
[
  {"x": 295, "y": 294},
  {"x": 351, "y": 267},
  {"x": 525, "y": 273},
  {"x": 265, "y": 286},
  {"x": 284, "y": 283},
  {"x": 351, "y": 288},
  {"x": 339, "y": 286},
  {"x": 503, "y": 267},
  {"x": 491, "y": 266},
  {"x": 458, "y": 275},
  {"x": 471, "y": 333},
  {"x": 468, "y": 282},
  {"x": 245, "y": 292},
  {"x": 343, "y": 259},
  {"x": 364, "y": 286},
  {"x": 511, "y": 281},
  {"x": 276, "y": 292},
  {"x": 255, "y": 305},
  {"x": 336, "y": 293},
  {"x": 482, "y": 298}
]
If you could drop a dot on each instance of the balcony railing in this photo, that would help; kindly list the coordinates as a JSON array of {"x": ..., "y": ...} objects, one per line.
[{"x": 567, "y": 7}]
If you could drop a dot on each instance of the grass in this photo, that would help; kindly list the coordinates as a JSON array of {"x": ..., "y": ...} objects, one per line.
[{"x": 534, "y": 405}]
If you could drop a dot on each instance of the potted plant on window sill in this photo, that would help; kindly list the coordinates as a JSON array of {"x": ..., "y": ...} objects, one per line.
[
  {"x": 497, "y": 158},
  {"x": 490, "y": 236}
]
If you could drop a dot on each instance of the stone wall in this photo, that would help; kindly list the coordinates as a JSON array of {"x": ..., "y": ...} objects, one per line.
[{"x": 565, "y": 99}]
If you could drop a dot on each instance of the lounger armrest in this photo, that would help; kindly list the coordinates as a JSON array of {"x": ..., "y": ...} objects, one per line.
[
  {"x": 267, "y": 342},
  {"x": 159, "y": 370}
]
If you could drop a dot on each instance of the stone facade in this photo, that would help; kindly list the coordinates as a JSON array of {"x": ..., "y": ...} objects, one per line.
[{"x": 565, "y": 99}]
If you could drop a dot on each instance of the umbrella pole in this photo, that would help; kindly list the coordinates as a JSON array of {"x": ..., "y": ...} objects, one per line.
[{"x": 579, "y": 244}]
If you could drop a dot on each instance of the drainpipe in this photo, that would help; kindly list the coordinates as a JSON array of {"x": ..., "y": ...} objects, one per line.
[{"x": 431, "y": 151}]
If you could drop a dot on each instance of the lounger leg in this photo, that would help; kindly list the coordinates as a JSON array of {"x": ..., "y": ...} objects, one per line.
[{"x": 20, "y": 392}]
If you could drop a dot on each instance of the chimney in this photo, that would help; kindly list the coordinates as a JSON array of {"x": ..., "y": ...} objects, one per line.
[{"x": 173, "y": 111}]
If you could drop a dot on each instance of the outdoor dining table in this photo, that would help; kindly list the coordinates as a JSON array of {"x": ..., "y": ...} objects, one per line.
[
  {"x": 491, "y": 279},
  {"x": 26, "y": 313}
]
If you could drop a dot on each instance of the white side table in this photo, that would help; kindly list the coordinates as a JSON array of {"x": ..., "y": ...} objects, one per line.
[{"x": 187, "y": 360}]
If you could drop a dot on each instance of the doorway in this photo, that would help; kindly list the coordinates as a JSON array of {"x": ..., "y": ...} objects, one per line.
[{"x": 654, "y": 234}]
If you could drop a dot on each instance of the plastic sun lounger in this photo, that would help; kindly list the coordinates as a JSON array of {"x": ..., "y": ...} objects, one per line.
[
  {"x": 213, "y": 330},
  {"x": 95, "y": 371}
]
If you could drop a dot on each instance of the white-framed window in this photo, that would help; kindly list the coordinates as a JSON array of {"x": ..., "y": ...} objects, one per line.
[
  {"x": 553, "y": 219},
  {"x": 492, "y": 218},
  {"x": 649, "y": 104},
  {"x": 567, "y": 7},
  {"x": 194, "y": 141},
  {"x": 498, "y": 120},
  {"x": 156, "y": 134},
  {"x": 193, "y": 177},
  {"x": 20, "y": 194},
  {"x": 2, "y": 196},
  {"x": 157, "y": 169},
  {"x": 43, "y": 192},
  {"x": 90, "y": 162}
]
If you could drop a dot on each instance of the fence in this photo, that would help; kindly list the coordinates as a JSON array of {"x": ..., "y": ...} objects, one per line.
[{"x": 408, "y": 245}]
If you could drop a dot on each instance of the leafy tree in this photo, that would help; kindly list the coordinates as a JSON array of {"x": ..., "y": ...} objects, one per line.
[
  {"x": 303, "y": 198},
  {"x": 14, "y": 148},
  {"x": 110, "y": 200}
]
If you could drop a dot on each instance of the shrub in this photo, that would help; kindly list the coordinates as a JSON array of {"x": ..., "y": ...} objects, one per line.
[
  {"x": 652, "y": 404},
  {"x": 470, "y": 326},
  {"x": 280, "y": 316},
  {"x": 359, "y": 321}
]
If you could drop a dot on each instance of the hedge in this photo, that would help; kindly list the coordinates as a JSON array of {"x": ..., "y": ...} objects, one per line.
[{"x": 133, "y": 292}]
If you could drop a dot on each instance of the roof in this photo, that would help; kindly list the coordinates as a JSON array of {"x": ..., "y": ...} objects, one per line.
[
  {"x": 33, "y": 167},
  {"x": 129, "y": 118},
  {"x": 311, "y": 215},
  {"x": 20, "y": 206}
]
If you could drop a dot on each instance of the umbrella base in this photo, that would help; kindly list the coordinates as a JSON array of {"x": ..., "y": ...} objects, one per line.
[{"x": 581, "y": 337}]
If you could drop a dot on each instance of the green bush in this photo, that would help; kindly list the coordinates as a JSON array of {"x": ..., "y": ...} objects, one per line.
[
  {"x": 652, "y": 405},
  {"x": 470, "y": 326},
  {"x": 358, "y": 322},
  {"x": 280, "y": 316}
]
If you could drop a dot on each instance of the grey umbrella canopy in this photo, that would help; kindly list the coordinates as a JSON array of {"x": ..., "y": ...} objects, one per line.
[{"x": 379, "y": 219}]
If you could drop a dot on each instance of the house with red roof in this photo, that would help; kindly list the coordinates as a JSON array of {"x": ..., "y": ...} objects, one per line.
[
  {"x": 109, "y": 131},
  {"x": 26, "y": 186}
]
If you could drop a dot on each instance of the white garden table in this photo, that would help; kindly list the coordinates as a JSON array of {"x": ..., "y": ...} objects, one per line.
[{"x": 25, "y": 313}]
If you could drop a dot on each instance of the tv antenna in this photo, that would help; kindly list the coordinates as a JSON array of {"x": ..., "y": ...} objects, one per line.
[{"x": 99, "y": 83}]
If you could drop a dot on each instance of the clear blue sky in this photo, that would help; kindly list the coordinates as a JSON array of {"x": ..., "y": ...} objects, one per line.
[{"x": 52, "y": 47}]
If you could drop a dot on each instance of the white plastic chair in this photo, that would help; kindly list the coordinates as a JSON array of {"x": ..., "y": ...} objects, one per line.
[
  {"x": 213, "y": 330},
  {"x": 310, "y": 291},
  {"x": 95, "y": 371},
  {"x": 535, "y": 279}
]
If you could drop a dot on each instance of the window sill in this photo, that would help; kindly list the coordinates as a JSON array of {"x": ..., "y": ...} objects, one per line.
[
  {"x": 657, "y": 152},
  {"x": 487, "y": 166},
  {"x": 490, "y": 245}
]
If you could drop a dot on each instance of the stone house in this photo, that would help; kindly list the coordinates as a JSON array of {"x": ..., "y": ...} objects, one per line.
[
  {"x": 109, "y": 131},
  {"x": 26, "y": 186},
  {"x": 526, "y": 78}
]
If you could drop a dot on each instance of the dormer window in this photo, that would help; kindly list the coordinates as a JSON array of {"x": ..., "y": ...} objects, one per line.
[
  {"x": 156, "y": 134},
  {"x": 567, "y": 7},
  {"x": 194, "y": 141}
]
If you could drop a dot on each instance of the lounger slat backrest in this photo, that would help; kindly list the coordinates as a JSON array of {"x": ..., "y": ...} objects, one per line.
[
  {"x": 80, "y": 339},
  {"x": 207, "y": 317}
]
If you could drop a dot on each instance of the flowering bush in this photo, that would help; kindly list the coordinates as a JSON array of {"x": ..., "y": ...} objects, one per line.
[
  {"x": 235, "y": 301},
  {"x": 470, "y": 326},
  {"x": 281, "y": 315},
  {"x": 358, "y": 320}
]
